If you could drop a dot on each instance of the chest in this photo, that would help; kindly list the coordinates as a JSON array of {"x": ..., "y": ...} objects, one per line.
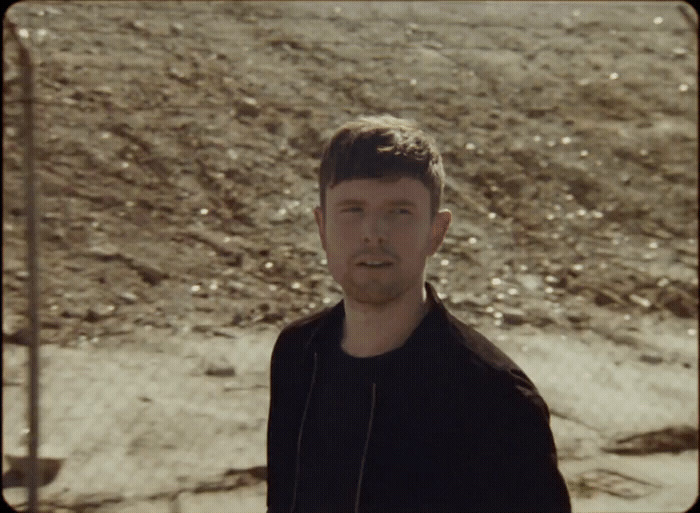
[
  {"x": 409, "y": 414},
  {"x": 400, "y": 427}
]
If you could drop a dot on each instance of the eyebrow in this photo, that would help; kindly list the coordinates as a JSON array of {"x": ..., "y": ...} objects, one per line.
[{"x": 393, "y": 203}]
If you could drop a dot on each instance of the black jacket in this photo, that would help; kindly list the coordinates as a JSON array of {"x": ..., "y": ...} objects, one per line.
[{"x": 475, "y": 433}]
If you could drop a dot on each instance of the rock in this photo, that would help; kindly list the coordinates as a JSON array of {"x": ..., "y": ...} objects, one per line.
[
  {"x": 129, "y": 297},
  {"x": 226, "y": 244},
  {"x": 280, "y": 215},
  {"x": 103, "y": 89},
  {"x": 138, "y": 25},
  {"x": 614, "y": 483},
  {"x": 106, "y": 251},
  {"x": 176, "y": 28},
  {"x": 653, "y": 359},
  {"x": 639, "y": 300},
  {"x": 201, "y": 328},
  {"x": 98, "y": 312},
  {"x": 218, "y": 367},
  {"x": 50, "y": 459},
  {"x": 606, "y": 297},
  {"x": 540, "y": 316},
  {"x": 222, "y": 331},
  {"x": 531, "y": 282},
  {"x": 513, "y": 316},
  {"x": 18, "y": 337},
  {"x": 619, "y": 336},
  {"x": 177, "y": 74},
  {"x": 248, "y": 106},
  {"x": 149, "y": 273},
  {"x": 679, "y": 303},
  {"x": 221, "y": 370},
  {"x": 670, "y": 439},
  {"x": 578, "y": 317},
  {"x": 258, "y": 473}
]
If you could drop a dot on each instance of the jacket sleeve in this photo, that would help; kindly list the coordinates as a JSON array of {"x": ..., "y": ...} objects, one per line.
[
  {"x": 272, "y": 427},
  {"x": 291, "y": 368},
  {"x": 524, "y": 473},
  {"x": 280, "y": 452}
]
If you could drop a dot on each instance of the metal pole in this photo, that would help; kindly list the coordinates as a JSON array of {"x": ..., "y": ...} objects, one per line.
[{"x": 27, "y": 82}]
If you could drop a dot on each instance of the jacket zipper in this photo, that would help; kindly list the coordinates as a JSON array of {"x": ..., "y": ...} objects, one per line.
[
  {"x": 301, "y": 430},
  {"x": 364, "y": 451}
]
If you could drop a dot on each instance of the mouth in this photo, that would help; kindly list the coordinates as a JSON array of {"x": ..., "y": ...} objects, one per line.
[{"x": 374, "y": 264}]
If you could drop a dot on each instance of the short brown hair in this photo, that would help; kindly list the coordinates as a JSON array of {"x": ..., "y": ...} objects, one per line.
[{"x": 382, "y": 147}]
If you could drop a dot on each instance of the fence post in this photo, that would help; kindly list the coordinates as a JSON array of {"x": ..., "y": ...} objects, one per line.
[{"x": 27, "y": 100}]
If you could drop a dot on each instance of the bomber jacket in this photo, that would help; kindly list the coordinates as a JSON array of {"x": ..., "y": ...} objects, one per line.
[{"x": 462, "y": 430}]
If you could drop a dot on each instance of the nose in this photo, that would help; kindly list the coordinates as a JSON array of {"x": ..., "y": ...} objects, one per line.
[{"x": 376, "y": 228}]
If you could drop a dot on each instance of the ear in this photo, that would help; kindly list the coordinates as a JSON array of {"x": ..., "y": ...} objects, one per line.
[
  {"x": 321, "y": 222},
  {"x": 439, "y": 229}
]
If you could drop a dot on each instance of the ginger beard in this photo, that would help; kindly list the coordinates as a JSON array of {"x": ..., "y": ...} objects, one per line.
[
  {"x": 375, "y": 285},
  {"x": 365, "y": 284}
]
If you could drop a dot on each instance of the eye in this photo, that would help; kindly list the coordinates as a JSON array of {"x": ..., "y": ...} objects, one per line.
[
  {"x": 352, "y": 209},
  {"x": 402, "y": 211}
]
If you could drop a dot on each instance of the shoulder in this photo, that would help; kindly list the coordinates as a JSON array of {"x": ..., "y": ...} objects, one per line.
[
  {"x": 308, "y": 323},
  {"x": 496, "y": 371},
  {"x": 298, "y": 334},
  {"x": 482, "y": 351}
]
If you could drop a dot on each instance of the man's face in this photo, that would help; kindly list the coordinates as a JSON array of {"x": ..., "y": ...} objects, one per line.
[{"x": 377, "y": 236}]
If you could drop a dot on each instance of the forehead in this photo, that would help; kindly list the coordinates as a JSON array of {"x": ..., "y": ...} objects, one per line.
[{"x": 374, "y": 190}]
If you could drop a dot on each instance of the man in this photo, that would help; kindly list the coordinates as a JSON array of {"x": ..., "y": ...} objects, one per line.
[{"x": 386, "y": 402}]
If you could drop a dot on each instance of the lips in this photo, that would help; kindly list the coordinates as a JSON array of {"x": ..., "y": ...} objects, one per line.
[
  {"x": 374, "y": 260},
  {"x": 374, "y": 264}
]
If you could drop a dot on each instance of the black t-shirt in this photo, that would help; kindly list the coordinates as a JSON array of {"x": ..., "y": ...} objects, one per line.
[{"x": 337, "y": 423}]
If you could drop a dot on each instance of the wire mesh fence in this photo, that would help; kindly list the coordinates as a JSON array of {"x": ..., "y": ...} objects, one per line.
[{"x": 176, "y": 148}]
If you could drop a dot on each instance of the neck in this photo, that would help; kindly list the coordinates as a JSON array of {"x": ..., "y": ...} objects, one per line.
[{"x": 371, "y": 329}]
